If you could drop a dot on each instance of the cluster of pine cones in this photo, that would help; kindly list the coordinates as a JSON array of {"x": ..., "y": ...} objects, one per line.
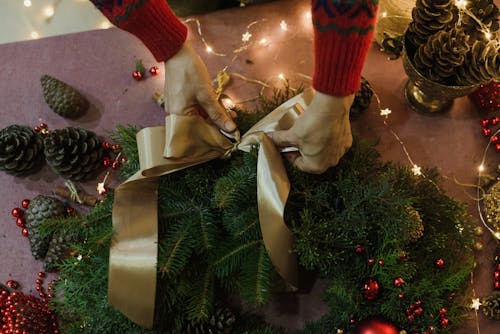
[{"x": 452, "y": 50}]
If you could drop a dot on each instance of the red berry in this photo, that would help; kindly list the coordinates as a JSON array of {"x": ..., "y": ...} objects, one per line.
[
  {"x": 12, "y": 284},
  {"x": 439, "y": 263},
  {"x": 37, "y": 129},
  {"x": 123, "y": 159},
  {"x": 137, "y": 75},
  {"x": 41, "y": 274},
  {"x": 494, "y": 139},
  {"x": 496, "y": 285},
  {"x": 24, "y": 232},
  {"x": 411, "y": 318},
  {"x": 401, "y": 295},
  {"x": 497, "y": 147},
  {"x": 106, "y": 162},
  {"x": 116, "y": 148},
  {"x": 115, "y": 165},
  {"x": 419, "y": 311},
  {"x": 154, "y": 70},
  {"x": 485, "y": 122},
  {"x": 20, "y": 222},
  {"x": 25, "y": 203},
  {"x": 444, "y": 322},
  {"x": 359, "y": 249},
  {"x": 381, "y": 262},
  {"x": 442, "y": 312},
  {"x": 106, "y": 145},
  {"x": 494, "y": 120},
  {"x": 486, "y": 132},
  {"x": 39, "y": 281},
  {"x": 398, "y": 282},
  {"x": 418, "y": 303},
  {"x": 17, "y": 212},
  {"x": 371, "y": 261},
  {"x": 496, "y": 275}
]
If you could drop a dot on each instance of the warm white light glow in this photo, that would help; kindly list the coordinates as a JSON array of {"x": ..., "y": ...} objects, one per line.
[
  {"x": 461, "y": 4},
  {"x": 480, "y": 168},
  {"x": 417, "y": 170},
  {"x": 384, "y": 14},
  {"x": 27, "y": 3},
  {"x": 228, "y": 102},
  {"x": 105, "y": 25},
  {"x": 476, "y": 303},
  {"x": 281, "y": 76},
  {"x": 34, "y": 35},
  {"x": 209, "y": 49},
  {"x": 487, "y": 35},
  {"x": 246, "y": 37},
  {"x": 497, "y": 235},
  {"x": 283, "y": 25},
  {"x": 308, "y": 15},
  {"x": 48, "y": 11},
  {"x": 385, "y": 112},
  {"x": 263, "y": 41}
]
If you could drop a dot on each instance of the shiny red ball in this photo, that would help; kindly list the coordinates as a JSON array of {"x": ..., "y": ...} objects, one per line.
[
  {"x": 496, "y": 275},
  {"x": 497, "y": 147},
  {"x": 115, "y": 165},
  {"x": 371, "y": 261},
  {"x": 444, "y": 322},
  {"x": 106, "y": 145},
  {"x": 442, "y": 312},
  {"x": 381, "y": 262},
  {"x": 107, "y": 162},
  {"x": 115, "y": 147},
  {"x": 39, "y": 281},
  {"x": 37, "y": 129},
  {"x": 371, "y": 289},
  {"x": 43, "y": 125},
  {"x": 137, "y": 75},
  {"x": 401, "y": 296},
  {"x": 123, "y": 159},
  {"x": 419, "y": 311},
  {"x": 398, "y": 282},
  {"x": 496, "y": 285},
  {"x": 17, "y": 212},
  {"x": 494, "y": 139},
  {"x": 25, "y": 203},
  {"x": 439, "y": 263},
  {"x": 486, "y": 132},
  {"x": 41, "y": 274},
  {"x": 375, "y": 326},
  {"x": 20, "y": 222},
  {"x": 494, "y": 120},
  {"x": 485, "y": 122},
  {"x": 24, "y": 232},
  {"x": 154, "y": 70},
  {"x": 359, "y": 249},
  {"x": 12, "y": 284}
]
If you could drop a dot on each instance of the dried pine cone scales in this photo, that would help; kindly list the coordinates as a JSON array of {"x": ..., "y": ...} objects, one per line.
[
  {"x": 21, "y": 150},
  {"x": 62, "y": 98},
  {"x": 429, "y": 17},
  {"x": 74, "y": 153}
]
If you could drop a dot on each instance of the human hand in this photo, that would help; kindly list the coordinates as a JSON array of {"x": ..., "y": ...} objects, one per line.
[
  {"x": 188, "y": 90},
  {"x": 322, "y": 134}
]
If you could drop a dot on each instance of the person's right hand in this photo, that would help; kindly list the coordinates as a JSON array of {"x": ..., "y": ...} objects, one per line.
[{"x": 188, "y": 90}]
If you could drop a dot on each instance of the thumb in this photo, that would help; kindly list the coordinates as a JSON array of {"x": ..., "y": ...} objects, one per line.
[
  {"x": 283, "y": 138},
  {"x": 217, "y": 113}
]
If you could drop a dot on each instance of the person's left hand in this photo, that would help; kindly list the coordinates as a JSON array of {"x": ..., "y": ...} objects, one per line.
[{"x": 322, "y": 134}]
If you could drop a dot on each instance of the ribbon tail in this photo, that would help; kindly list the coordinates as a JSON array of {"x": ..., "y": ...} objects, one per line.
[
  {"x": 133, "y": 252},
  {"x": 273, "y": 188}
]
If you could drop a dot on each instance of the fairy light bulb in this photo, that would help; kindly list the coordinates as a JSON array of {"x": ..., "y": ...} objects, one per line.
[
  {"x": 384, "y": 14},
  {"x": 480, "y": 168},
  {"x": 487, "y": 35},
  {"x": 308, "y": 15},
  {"x": 228, "y": 102},
  {"x": 281, "y": 76},
  {"x": 105, "y": 25},
  {"x": 283, "y": 25},
  {"x": 48, "y": 11},
  {"x": 209, "y": 49},
  {"x": 27, "y": 3},
  {"x": 246, "y": 37},
  {"x": 34, "y": 35},
  {"x": 461, "y": 4},
  {"x": 263, "y": 41}
]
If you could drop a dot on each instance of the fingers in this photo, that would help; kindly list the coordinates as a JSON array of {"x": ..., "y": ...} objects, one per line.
[
  {"x": 216, "y": 112},
  {"x": 283, "y": 138},
  {"x": 308, "y": 166}
]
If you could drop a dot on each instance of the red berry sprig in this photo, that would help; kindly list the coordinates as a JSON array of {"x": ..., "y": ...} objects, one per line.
[
  {"x": 140, "y": 71},
  {"x": 18, "y": 213},
  {"x": 443, "y": 321},
  {"x": 415, "y": 310},
  {"x": 496, "y": 273},
  {"x": 43, "y": 129},
  {"x": 489, "y": 133}
]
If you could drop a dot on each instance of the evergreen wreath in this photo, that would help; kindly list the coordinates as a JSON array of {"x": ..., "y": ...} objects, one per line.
[{"x": 210, "y": 245}]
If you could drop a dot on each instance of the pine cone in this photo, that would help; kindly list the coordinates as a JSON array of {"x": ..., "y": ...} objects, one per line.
[
  {"x": 220, "y": 322},
  {"x": 415, "y": 225},
  {"x": 429, "y": 17},
  {"x": 487, "y": 12},
  {"x": 40, "y": 209},
  {"x": 491, "y": 305},
  {"x": 438, "y": 59},
  {"x": 362, "y": 99},
  {"x": 62, "y": 98},
  {"x": 21, "y": 150},
  {"x": 491, "y": 204},
  {"x": 58, "y": 251},
  {"x": 481, "y": 64},
  {"x": 74, "y": 153}
]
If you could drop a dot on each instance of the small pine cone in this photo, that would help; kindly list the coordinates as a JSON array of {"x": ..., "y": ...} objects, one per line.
[
  {"x": 58, "y": 251},
  {"x": 62, "y": 98},
  {"x": 491, "y": 305},
  {"x": 438, "y": 59},
  {"x": 415, "y": 225},
  {"x": 481, "y": 64},
  {"x": 491, "y": 204},
  {"x": 21, "y": 150},
  {"x": 40, "y": 209},
  {"x": 429, "y": 17},
  {"x": 74, "y": 153},
  {"x": 220, "y": 322},
  {"x": 485, "y": 11},
  {"x": 362, "y": 99}
]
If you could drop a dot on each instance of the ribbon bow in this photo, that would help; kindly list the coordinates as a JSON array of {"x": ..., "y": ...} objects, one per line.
[{"x": 183, "y": 142}]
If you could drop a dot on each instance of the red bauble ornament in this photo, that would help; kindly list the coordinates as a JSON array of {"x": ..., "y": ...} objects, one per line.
[
  {"x": 486, "y": 132},
  {"x": 496, "y": 275},
  {"x": 39, "y": 281},
  {"x": 484, "y": 122},
  {"x": 487, "y": 97},
  {"x": 37, "y": 129},
  {"x": 494, "y": 139},
  {"x": 444, "y": 322},
  {"x": 418, "y": 312},
  {"x": 116, "y": 148},
  {"x": 359, "y": 249},
  {"x": 494, "y": 120},
  {"x": 497, "y": 147},
  {"x": 106, "y": 162},
  {"x": 12, "y": 284},
  {"x": 25, "y": 203},
  {"x": 371, "y": 261},
  {"x": 418, "y": 303},
  {"x": 496, "y": 285},
  {"x": 375, "y": 326},
  {"x": 371, "y": 289},
  {"x": 154, "y": 70},
  {"x": 381, "y": 262},
  {"x": 410, "y": 318},
  {"x": 123, "y": 159},
  {"x": 442, "y": 312},
  {"x": 20, "y": 222},
  {"x": 24, "y": 232},
  {"x": 41, "y": 274},
  {"x": 17, "y": 212},
  {"x": 398, "y": 282},
  {"x": 137, "y": 75},
  {"x": 106, "y": 145},
  {"x": 43, "y": 126},
  {"x": 401, "y": 296},
  {"x": 439, "y": 263}
]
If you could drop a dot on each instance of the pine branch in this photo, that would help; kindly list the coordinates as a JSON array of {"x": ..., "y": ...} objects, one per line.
[
  {"x": 256, "y": 277},
  {"x": 201, "y": 303},
  {"x": 231, "y": 256}
]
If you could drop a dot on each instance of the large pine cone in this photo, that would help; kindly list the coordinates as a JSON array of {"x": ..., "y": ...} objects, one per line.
[
  {"x": 362, "y": 99},
  {"x": 429, "y": 17},
  {"x": 58, "y": 251},
  {"x": 481, "y": 64},
  {"x": 74, "y": 153},
  {"x": 491, "y": 306},
  {"x": 62, "y": 98},
  {"x": 40, "y": 209},
  {"x": 439, "y": 58},
  {"x": 21, "y": 150},
  {"x": 487, "y": 12},
  {"x": 220, "y": 322}
]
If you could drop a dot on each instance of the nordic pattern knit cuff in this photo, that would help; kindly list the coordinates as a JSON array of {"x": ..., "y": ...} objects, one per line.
[
  {"x": 152, "y": 21},
  {"x": 343, "y": 32}
]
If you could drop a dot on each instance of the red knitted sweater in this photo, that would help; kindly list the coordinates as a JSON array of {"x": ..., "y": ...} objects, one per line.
[{"x": 343, "y": 31}]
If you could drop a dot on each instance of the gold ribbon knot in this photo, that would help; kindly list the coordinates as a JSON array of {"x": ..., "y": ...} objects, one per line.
[{"x": 183, "y": 142}]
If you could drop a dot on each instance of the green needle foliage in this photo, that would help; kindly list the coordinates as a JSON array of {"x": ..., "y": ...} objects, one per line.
[{"x": 211, "y": 248}]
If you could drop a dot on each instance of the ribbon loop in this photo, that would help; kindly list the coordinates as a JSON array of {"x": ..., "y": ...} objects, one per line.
[{"x": 183, "y": 142}]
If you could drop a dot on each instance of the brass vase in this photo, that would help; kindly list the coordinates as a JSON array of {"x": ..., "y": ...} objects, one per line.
[{"x": 424, "y": 95}]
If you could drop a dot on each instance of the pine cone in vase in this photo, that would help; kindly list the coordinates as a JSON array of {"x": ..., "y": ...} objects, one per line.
[
  {"x": 220, "y": 322},
  {"x": 41, "y": 208},
  {"x": 491, "y": 305},
  {"x": 74, "y": 153},
  {"x": 429, "y": 17},
  {"x": 481, "y": 64},
  {"x": 439, "y": 58},
  {"x": 362, "y": 99},
  {"x": 58, "y": 251},
  {"x": 487, "y": 12},
  {"x": 62, "y": 98},
  {"x": 21, "y": 150}
]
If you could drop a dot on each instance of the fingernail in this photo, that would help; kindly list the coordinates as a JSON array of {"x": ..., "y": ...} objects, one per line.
[{"x": 229, "y": 126}]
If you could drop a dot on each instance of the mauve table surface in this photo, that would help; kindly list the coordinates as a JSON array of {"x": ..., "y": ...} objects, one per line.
[{"x": 100, "y": 63}]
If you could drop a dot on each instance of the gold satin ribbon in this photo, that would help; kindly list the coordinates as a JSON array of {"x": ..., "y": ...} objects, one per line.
[{"x": 183, "y": 142}]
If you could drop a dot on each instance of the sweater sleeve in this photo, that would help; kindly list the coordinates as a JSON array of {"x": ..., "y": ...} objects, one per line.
[
  {"x": 152, "y": 21},
  {"x": 343, "y": 32}
]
